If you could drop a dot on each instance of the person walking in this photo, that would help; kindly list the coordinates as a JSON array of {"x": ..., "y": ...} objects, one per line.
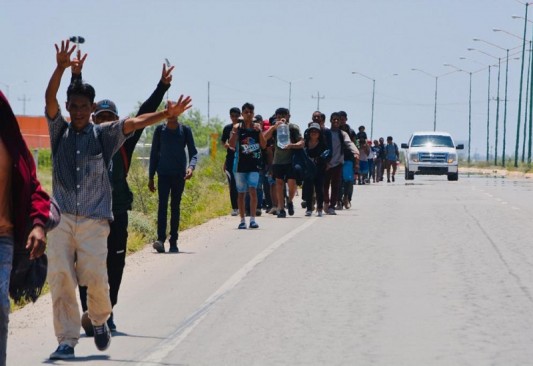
[
  {"x": 122, "y": 197},
  {"x": 247, "y": 140},
  {"x": 282, "y": 163},
  {"x": 392, "y": 156},
  {"x": 317, "y": 150},
  {"x": 81, "y": 158},
  {"x": 26, "y": 214},
  {"x": 234, "y": 114},
  {"x": 168, "y": 160},
  {"x": 338, "y": 141}
]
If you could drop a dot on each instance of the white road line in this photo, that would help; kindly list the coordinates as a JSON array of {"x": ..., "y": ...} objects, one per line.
[{"x": 173, "y": 340}]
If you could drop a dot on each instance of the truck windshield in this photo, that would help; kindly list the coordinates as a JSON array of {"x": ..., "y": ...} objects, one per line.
[{"x": 431, "y": 140}]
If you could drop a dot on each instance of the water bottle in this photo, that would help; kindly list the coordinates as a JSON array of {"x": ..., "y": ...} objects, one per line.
[{"x": 283, "y": 135}]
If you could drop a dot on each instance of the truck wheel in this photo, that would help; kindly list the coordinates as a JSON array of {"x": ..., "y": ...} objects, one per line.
[{"x": 453, "y": 176}]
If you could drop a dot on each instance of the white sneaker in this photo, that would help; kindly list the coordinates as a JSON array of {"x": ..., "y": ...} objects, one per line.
[
  {"x": 234, "y": 212},
  {"x": 308, "y": 213}
]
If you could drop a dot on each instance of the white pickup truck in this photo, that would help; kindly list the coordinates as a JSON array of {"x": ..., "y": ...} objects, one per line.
[{"x": 431, "y": 153}]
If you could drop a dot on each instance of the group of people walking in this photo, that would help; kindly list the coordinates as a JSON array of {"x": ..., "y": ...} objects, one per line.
[
  {"x": 266, "y": 160},
  {"x": 91, "y": 156}
]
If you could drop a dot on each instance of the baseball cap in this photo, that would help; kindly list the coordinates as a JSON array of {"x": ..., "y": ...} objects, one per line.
[
  {"x": 314, "y": 126},
  {"x": 106, "y": 106}
]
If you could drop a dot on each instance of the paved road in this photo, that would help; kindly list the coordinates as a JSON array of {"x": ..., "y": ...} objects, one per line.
[{"x": 425, "y": 273}]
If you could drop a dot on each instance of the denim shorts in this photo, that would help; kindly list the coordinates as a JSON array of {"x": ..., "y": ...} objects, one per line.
[{"x": 244, "y": 181}]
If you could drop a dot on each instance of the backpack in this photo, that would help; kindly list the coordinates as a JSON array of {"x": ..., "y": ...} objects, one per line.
[{"x": 302, "y": 166}]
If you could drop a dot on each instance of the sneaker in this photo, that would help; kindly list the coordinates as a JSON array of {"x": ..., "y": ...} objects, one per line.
[
  {"x": 331, "y": 211},
  {"x": 308, "y": 213},
  {"x": 63, "y": 352},
  {"x": 393, "y": 178},
  {"x": 388, "y": 180},
  {"x": 339, "y": 206},
  {"x": 102, "y": 336},
  {"x": 159, "y": 246},
  {"x": 253, "y": 225},
  {"x": 273, "y": 211},
  {"x": 234, "y": 212},
  {"x": 304, "y": 204},
  {"x": 242, "y": 225},
  {"x": 319, "y": 213},
  {"x": 171, "y": 249},
  {"x": 290, "y": 208},
  {"x": 87, "y": 325},
  {"x": 282, "y": 214},
  {"x": 110, "y": 322},
  {"x": 258, "y": 212}
]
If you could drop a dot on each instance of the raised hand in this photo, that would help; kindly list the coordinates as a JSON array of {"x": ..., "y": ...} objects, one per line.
[
  {"x": 77, "y": 63},
  {"x": 166, "y": 75},
  {"x": 175, "y": 109},
  {"x": 63, "y": 54}
]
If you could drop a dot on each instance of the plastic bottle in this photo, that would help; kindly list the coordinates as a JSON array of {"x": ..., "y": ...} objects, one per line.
[{"x": 283, "y": 135}]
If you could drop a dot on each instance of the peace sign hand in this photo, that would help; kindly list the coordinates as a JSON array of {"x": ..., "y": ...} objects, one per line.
[
  {"x": 77, "y": 63},
  {"x": 166, "y": 75}
]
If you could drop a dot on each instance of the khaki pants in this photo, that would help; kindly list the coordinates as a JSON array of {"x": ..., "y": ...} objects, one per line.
[{"x": 77, "y": 255}]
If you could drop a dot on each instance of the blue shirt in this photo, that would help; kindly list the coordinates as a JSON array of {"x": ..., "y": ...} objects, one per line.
[
  {"x": 81, "y": 161},
  {"x": 167, "y": 156},
  {"x": 391, "y": 151}
]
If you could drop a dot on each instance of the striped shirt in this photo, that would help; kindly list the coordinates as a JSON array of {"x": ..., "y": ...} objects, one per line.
[{"x": 81, "y": 161}]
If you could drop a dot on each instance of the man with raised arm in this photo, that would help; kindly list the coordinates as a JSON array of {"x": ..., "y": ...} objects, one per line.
[
  {"x": 122, "y": 198},
  {"x": 81, "y": 155}
]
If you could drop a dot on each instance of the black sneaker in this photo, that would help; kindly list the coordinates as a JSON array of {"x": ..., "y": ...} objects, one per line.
[
  {"x": 258, "y": 212},
  {"x": 111, "y": 323},
  {"x": 87, "y": 325},
  {"x": 242, "y": 225},
  {"x": 290, "y": 208},
  {"x": 282, "y": 214},
  {"x": 172, "y": 249},
  {"x": 254, "y": 225},
  {"x": 63, "y": 352},
  {"x": 393, "y": 178},
  {"x": 102, "y": 336},
  {"x": 159, "y": 246}
]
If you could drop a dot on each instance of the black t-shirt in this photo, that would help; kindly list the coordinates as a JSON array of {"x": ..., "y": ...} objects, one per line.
[
  {"x": 230, "y": 153},
  {"x": 249, "y": 149}
]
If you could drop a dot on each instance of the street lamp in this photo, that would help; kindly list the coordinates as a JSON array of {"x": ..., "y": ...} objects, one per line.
[
  {"x": 436, "y": 88},
  {"x": 373, "y": 96},
  {"x": 488, "y": 106},
  {"x": 505, "y": 97},
  {"x": 497, "y": 103},
  {"x": 469, "y": 106},
  {"x": 521, "y": 83},
  {"x": 78, "y": 40},
  {"x": 290, "y": 84}
]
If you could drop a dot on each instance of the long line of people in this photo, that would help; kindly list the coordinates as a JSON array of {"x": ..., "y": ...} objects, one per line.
[{"x": 267, "y": 159}]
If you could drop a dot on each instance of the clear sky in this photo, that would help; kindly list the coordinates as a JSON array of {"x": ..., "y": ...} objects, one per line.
[{"x": 236, "y": 44}]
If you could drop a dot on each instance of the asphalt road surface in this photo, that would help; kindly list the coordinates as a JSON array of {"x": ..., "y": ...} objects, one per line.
[{"x": 427, "y": 272}]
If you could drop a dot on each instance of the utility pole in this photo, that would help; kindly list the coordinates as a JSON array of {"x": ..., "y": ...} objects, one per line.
[
  {"x": 318, "y": 97},
  {"x": 24, "y": 100}
]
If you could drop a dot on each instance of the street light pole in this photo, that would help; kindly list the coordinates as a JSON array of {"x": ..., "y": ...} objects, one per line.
[
  {"x": 373, "y": 98},
  {"x": 290, "y": 85}
]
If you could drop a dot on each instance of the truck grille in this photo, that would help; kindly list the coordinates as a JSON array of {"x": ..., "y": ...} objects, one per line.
[{"x": 433, "y": 157}]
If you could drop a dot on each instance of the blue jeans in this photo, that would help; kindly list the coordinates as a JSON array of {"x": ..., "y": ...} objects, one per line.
[
  {"x": 173, "y": 187},
  {"x": 6, "y": 261}
]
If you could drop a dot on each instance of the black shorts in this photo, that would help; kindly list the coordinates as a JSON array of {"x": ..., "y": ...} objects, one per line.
[{"x": 283, "y": 171}]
